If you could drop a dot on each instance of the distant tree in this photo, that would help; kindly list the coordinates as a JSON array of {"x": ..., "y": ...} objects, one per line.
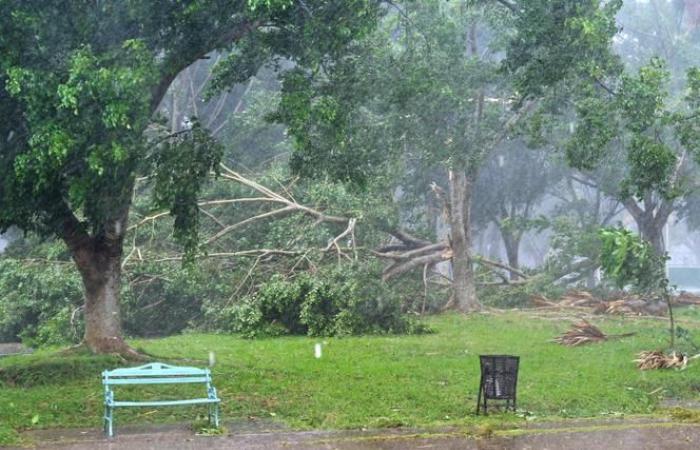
[
  {"x": 511, "y": 186},
  {"x": 658, "y": 138},
  {"x": 434, "y": 87},
  {"x": 635, "y": 124},
  {"x": 80, "y": 83}
]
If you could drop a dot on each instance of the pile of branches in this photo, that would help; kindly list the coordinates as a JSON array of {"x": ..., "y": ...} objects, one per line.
[
  {"x": 632, "y": 305},
  {"x": 624, "y": 304},
  {"x": 585, "y": 333},
  {"x": 649, "y": 360},
  {"x": 572, "y": 299},
  {"x": 581, "y": 333}
]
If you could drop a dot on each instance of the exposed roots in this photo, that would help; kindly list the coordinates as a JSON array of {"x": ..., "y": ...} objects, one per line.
[{"x": 117, "y": 347}]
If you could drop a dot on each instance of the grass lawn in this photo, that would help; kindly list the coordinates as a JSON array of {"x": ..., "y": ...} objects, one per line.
[{"x": 418, "y": 381}]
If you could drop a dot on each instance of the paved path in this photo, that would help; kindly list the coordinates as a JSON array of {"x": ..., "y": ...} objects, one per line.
[{"x": 614, "y": 434}]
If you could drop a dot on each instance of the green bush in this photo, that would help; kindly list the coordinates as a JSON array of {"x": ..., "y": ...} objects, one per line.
[
  {"x": 345, "y": 300},
  {"x": 39, "y": 303}
]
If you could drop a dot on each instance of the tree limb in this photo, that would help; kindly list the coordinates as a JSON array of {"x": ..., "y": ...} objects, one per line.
[
  {"x": 405, "y": 266},
  {"x": 499, "y": 265}
]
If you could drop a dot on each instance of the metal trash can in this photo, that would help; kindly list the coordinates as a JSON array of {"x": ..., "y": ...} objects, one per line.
[{"x": 499, "y": 380}]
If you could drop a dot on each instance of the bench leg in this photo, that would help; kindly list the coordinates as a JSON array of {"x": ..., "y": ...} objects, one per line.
[
  {"x": 108, "y": 419},
  {"x": 214, "y": 414}
]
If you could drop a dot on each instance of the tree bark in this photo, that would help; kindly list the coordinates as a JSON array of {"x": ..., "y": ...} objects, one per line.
[
  {"x": 651, "y": 219},
  {"x": 652, "y": 232},
  {"x": 101, "y": 272},
  {"x": 464, "y": 287},
  {"x": 98, "y": 259},
  {"x": 511, "y": 241}
]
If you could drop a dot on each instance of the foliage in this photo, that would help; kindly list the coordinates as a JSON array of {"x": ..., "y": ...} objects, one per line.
[
  {"x": 640, "y": 118},
  {"x": 346, "y": 300},
  {"x": 629, "y": 260},
  {"x": 39, "y": 303},
  {"x": 509, "y": 192},
  {"x": 575, "y": 248},
  {"x": 83, "y": 94},
  {"x": 584, "y": 30},
  {"x": 520, "y": 295},
  {"x": 504, "y": 296},
  {"x": 162, "y": 300}
]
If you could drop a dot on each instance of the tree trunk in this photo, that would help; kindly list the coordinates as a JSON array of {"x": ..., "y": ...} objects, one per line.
[
  {"x": 98, "y": 259},
  {"x": 101, "y": 274},
  {"x": 651, "y": 231},
  {"x": 651, "y": 219},
  {"x": 460, "y": 240},
  {"x": 511, "y": 241}
]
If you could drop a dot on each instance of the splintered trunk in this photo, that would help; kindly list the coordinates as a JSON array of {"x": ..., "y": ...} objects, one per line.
[{"x": 460, "y": 239}]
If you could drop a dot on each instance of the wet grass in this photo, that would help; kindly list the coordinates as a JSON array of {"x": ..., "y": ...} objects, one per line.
[{"x": 369, "y": 382}]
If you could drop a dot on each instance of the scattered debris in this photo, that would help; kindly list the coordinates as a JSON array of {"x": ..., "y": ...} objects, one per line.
[
  {"x": 621, "y": 304},
  {"x": 585, "y": 333},
  {"x": 632, "y": 305},
  {"x": 649, "y": 360},
  {"x": 581, "y": 333}
]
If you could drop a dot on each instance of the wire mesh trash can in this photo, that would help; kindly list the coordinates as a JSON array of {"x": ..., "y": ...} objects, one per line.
[{"x": 499, "y": 380}]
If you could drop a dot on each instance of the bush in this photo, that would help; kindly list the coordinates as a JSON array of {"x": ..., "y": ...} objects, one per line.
[
  {"x": 38, "y": 301},
  {"x": 343, "y": 301}
]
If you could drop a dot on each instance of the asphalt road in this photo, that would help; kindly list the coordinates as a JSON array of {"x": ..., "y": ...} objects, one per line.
[{"x": 614, "y": 434}]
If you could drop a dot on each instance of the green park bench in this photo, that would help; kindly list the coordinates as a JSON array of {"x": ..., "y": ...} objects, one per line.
[{"x": 157, "y": 373}]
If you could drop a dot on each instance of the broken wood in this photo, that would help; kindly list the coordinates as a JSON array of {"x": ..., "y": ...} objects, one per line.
[
  {"x": 585, "y": 333},
  {"x": 649, "y": 360}
]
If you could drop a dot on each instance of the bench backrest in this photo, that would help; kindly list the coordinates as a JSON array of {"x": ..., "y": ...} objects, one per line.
[{"x": 155, "y": 373}]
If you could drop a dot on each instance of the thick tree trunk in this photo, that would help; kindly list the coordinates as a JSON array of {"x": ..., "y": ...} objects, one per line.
[
  {"x": 653, "y": 233},
  {"x": 101, "y": 273},
  {"x": 651, "y": 219},
  {"x": 98, "y": 259},
  {"x": 460, "y": 239}
]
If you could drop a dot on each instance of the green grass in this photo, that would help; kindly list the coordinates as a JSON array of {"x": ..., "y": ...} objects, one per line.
[{"x": 418, "y": 381}]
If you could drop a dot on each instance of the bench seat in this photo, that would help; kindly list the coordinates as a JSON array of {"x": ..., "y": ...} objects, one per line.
[{"x": 192, "y": 401}]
